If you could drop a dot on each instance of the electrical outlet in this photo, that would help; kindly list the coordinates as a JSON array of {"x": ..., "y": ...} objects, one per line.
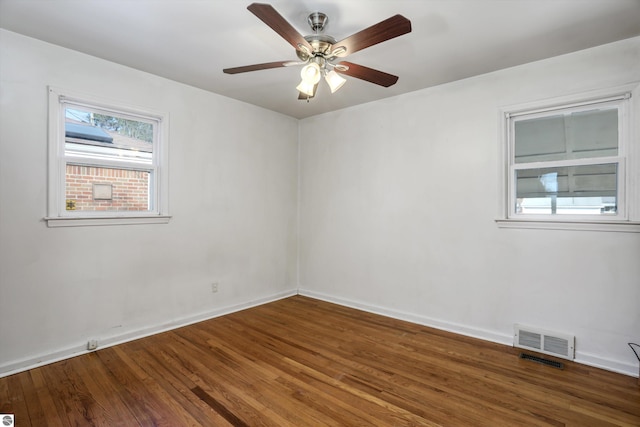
[
  {"x": 92, "y": 344},
  {"x": 214, "y": 287}
]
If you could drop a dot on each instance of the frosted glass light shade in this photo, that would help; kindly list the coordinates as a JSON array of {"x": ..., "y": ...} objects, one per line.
[
  {"x": 310, "y": 73},
  {"x": 334, "y": 80},
  {"x": 306, "y": 87}
]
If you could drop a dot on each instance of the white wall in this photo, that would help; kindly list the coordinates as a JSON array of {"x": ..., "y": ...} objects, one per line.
[
  {"x": 233, "y": 197},
  {"x": 397, "y": 209},
  {"x": 397, "y": 202}
]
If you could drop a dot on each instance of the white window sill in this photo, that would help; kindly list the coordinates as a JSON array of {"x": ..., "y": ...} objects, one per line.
[
  {"x": 112, "y": 220},
  {"x": 617, "y": 226}
]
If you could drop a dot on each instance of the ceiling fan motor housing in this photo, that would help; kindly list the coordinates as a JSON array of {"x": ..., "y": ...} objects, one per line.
[{"x": 320, "y": 43}]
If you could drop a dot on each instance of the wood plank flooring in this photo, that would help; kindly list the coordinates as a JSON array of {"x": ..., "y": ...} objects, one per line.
[{"x": 303, "y": 362}]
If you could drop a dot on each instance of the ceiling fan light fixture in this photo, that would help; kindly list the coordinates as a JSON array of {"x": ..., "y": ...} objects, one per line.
[
  {"x": 311, "y": 73},
  {"x": 306, "y": 87},
  {"x": 317, "y": 52},
  {"x": 334, "y": 80}
]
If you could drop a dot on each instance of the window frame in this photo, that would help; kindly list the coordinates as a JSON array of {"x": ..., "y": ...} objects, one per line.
[
  {"x": 57, "y": 215},
  {"x": 627, "y": 218}
]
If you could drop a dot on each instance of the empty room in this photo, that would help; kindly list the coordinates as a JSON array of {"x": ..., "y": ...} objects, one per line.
[{"x": 310, "y": 213}]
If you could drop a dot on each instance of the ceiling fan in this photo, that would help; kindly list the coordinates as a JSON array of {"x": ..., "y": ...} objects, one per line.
[{"x": 319, "y": 52}]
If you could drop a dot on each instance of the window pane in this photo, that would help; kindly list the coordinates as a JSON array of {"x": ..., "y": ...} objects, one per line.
[
  {"x": 575, "y": 135},
  {"x": 590, "y": 189},
  {"x": 90, "y": 188},
  {"x": 92, "y": 135}
]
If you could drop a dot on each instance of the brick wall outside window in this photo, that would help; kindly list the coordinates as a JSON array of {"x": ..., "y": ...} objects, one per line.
[{"x": 130, "y": 188}]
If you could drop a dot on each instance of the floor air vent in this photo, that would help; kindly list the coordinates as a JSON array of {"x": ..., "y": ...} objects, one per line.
[
  {"x": 552, "y": 343},
  {"x": 542, "y": 360}
]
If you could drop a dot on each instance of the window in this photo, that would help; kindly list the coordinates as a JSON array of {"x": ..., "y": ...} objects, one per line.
[
  {"x": 107, "y": 163},
  {"x": 571, "y": 163}
]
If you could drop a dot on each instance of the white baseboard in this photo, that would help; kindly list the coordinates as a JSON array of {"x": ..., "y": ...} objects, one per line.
[
  {"x": 54, "y": 356},
  {"x": 76, "y": 350},
  {"x": 583, "y": 358},
  {"x": 415, "y": 318},
  {"x": 606, "y": 364}
]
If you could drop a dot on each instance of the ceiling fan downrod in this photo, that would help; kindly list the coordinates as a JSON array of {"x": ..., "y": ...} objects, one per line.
[{"x": 317, "y": 21}]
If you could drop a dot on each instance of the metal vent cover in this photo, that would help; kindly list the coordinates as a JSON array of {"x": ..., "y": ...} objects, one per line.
[
  {"x": 542, "y": 360},
  {"x": 547, "y": 342}
]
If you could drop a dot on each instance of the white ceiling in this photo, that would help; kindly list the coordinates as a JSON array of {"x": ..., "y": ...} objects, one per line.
[{"x": 191, "y": 41}]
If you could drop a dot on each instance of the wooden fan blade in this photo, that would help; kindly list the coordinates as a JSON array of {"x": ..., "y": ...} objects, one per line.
[
  {"x": 273, "y": 19},
  {"x": 382, "y": 31},
  {"x": 255, "y": 67},
  {"x": 369, "y": 74}
]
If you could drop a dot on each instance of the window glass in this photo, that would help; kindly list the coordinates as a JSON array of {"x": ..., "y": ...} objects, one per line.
[
  {"x": 92, "y": 188},
  {"x": 99, "y": 135},
  {"x": 574, "y": 135},
  {"x": 571, "y": 190},
  {"x": 94, "y": 136}
]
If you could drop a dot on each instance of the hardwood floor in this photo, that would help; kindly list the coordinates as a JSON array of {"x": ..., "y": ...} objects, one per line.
[{"x": 303, "y": 362}]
